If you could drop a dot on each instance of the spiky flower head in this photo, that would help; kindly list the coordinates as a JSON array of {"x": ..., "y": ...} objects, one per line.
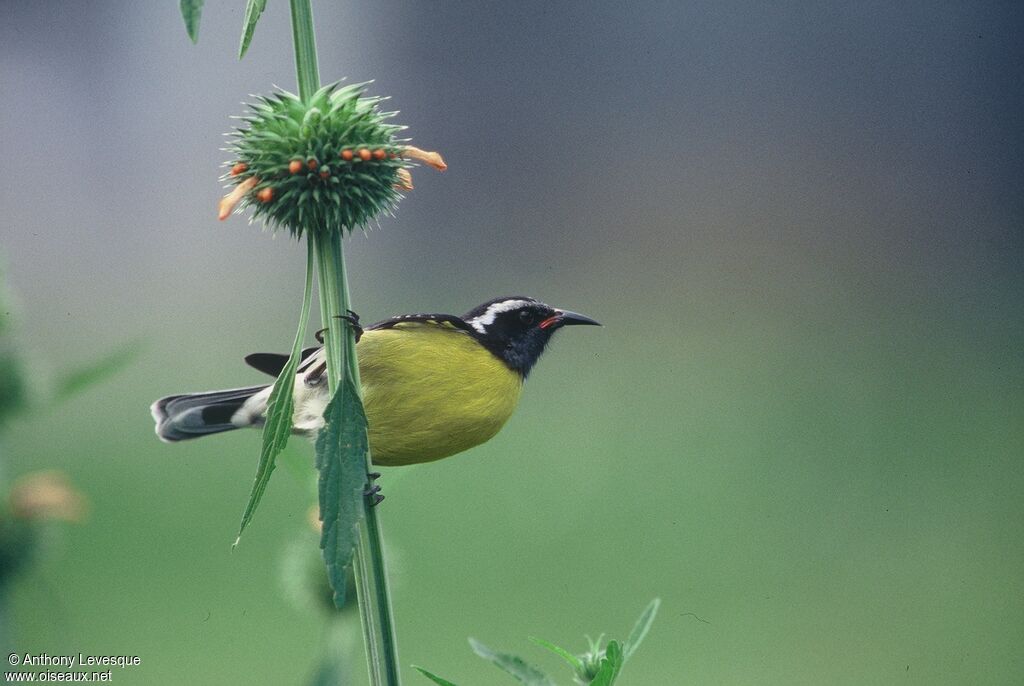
[{"x": 330, "y": 164}]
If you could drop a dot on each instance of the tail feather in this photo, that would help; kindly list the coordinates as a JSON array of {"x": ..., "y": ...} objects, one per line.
[{"x": 191, "y": 415}]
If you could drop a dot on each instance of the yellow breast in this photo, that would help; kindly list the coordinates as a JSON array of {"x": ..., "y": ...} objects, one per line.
[{"x": 431, "y": 391}]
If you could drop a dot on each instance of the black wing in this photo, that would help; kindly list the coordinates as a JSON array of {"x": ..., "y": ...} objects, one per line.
[
  {"x": 450, "y": 319},
  {"x": 273, "y": 363}
]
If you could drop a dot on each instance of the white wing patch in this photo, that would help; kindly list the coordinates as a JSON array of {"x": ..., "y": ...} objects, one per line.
[{"x": 481, "y": 322}]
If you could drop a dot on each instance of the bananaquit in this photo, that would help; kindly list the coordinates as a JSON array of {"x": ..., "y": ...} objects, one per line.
[{"x": 433, "y": 384}]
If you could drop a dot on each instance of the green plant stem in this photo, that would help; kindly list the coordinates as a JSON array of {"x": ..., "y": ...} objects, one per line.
[
  {"x": 369, "y": 567},
  {"x": 306, "y": 71},
  {"x": 334, "y": 301},
  {"x": 370, "y": 573},
  {"x": 368, "y": 564}
]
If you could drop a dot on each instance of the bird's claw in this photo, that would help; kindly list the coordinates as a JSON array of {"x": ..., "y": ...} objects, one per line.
[
  {"x": 352, "y": 318},
  {"x": 372, "y": 490}
]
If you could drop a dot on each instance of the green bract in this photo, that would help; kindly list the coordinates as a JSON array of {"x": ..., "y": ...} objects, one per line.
[{"x": 327, "y": 165}]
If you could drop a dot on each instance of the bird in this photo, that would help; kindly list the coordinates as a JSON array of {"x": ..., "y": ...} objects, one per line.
[{"x": 433, "y": 385}]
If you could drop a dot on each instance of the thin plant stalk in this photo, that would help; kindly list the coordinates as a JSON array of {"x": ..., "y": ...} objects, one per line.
[
  {"x": 368, "y": 564},
  {"x": 370, "y": 573}
]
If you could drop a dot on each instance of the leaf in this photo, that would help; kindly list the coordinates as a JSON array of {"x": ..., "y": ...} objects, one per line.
[
  {"x": 79, "y": 379},
  {"x": 611, "y": 663},
  {"x": 640, "y": 629},
  {"x": 253, "y": 10},
  {"x": 341, "y": 449},
  {"x": 190, "y": 12},
  {"x": 280, "y": 407},
  {"x": 513, "y": 665},
  {"x": 433, "y": 677},
  {"x": 573, "y": 660}
]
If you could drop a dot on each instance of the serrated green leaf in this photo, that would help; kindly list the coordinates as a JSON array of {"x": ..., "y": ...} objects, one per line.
[
  {"x": 191, "y": 10},
  {"x": 280, "y": 407},
  {"x": 433, "y": 677},
  {"x": 611, "y": 664},
  {"x": 253, "y": 10},
  {"x": 341, "y": 449},
  {"x": 640, "y": 629},
  {"x": 87, "y": 375},
  {"x": 512, "y": 664},
  {"x": 573, "y": 660}
]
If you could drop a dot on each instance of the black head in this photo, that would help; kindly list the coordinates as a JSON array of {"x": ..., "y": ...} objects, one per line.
[{"x": 517, "y": 329}]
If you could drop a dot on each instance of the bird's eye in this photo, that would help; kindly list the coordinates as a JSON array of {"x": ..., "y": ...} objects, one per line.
[{"x": 526, "y": 317}]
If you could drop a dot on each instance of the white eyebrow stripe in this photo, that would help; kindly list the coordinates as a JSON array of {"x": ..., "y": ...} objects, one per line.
[{"x": 481, "y": 322}]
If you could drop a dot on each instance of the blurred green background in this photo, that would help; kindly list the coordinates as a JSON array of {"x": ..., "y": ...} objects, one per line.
[{"x": 801, "y": 425}]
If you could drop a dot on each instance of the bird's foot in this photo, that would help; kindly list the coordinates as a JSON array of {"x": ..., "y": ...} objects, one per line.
[
  {"x": 372, "y": 490},
  {"x": 353, "y": 320}
]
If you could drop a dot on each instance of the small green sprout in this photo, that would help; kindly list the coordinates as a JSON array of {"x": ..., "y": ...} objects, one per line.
[{"x": 596, "y": 667}]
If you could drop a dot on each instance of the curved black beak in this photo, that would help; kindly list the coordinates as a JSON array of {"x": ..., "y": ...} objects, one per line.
[{"x": 567, "y": 318}]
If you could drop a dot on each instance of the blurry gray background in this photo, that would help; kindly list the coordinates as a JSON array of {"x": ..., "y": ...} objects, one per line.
[{"x": 801, "y": 425}]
